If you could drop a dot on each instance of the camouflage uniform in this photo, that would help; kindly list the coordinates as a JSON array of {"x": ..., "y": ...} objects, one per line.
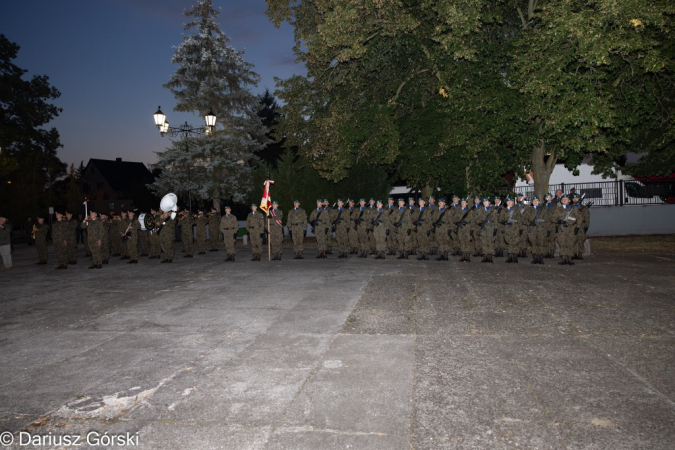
[
  {"x": 400, "y": 226},
  {"x": 500, "y": 244},
  {"x": 510, "y": 218},
  {"x": 442, "y": 225},
  {"x": 143, "y": 242},
  {"x": 342, "y": 224},
  {"x": 167, "y": 238},
  {"x": 41, "y": 242},
  {"x": 380, "y": 221},
  {"x": 229, "y": 226},
  {"x": 566, "y": 218},
  {"x": 473, "y": 225},
  {"x": 155, "y": 245},
  {"x": 276, "y": 232},
  {"x": 391, "y": 236},
  {"x": 523, "y": 211},
  {"x": 132, "y": 240},
  {"x": 463, "y": 230},
  {"x": 548, "y": 212},
  {"x": 433, "y": 213},
  {"x": 423, "y": 222},
  {"x": 353, "y": 233},
  {"x": 105, "y": 241},
  {"x": 59, "y": 239},
  {"x": 201, "y": 222},
  {"x": 412, "y": 237},
  {"x": 214, "y": 226},
  {"x": 537, "y": 233},
  {"x": 95, "y": 235},
  {"x": 122, "y": 227},
  {"x": 360, "y": 223},
  {"x": 113, "y": 237},
  {"x": 71, "y": 238},
  {"x": 297, "y": 227},
  {"x": 186, "y": 235},
  {"x": 320, "y": 221},
  {"x": 255, "y": 225},
  {"x": 486, "y": 223}
]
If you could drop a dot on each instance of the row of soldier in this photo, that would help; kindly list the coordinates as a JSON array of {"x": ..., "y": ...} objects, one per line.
[{"x": 488, "y": 228}]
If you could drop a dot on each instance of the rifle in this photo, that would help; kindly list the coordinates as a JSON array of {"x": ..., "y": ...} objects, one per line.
[
  {"x": 536, "y": 219},
  {"x": 399, "y": 224},
  {"x": 461, "y": 221},
  {"x": 439, "y": 222},
  {"x": 359, "y": 219},
  {"x": 313, "y": 222},
  {"x": 587, "y": 205},
  {"x": 377, "y": 219},
  {"x": 338, "y": 219},
  {"x": 419, "y": 219}
]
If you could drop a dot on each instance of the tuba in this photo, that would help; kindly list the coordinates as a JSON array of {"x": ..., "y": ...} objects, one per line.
[{"x": 169, "y": 203}]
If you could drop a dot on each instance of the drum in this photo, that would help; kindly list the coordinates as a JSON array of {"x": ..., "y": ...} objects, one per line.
[{"x": 147, "y": 221}]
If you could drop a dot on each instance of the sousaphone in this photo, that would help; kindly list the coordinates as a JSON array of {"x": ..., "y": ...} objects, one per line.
[{"x": 169, "y": 203}]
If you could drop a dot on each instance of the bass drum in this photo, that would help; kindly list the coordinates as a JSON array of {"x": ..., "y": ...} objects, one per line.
[{"x": 147, "y": 221}]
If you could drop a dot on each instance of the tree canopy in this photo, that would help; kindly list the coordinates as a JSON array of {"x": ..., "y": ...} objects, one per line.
[{"x": 455, "y": 94}]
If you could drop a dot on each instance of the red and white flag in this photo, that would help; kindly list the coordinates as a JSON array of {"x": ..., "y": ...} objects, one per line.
[{"x": 266, "y": 202}]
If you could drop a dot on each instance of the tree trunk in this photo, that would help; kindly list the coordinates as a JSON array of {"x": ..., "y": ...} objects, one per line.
[
  {"x": 216, "y": 199},
  {"x": 542, "y": 169}
]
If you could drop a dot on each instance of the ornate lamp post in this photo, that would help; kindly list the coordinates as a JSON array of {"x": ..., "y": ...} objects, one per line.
[{"x": 184, "y": 130}]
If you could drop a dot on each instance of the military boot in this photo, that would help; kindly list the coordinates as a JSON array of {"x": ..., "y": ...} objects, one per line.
[
  {"x": 485, "y": 259},
  {"x": 279, "y": 256},
  {"x": 467, "y": 257},
  {"x": 515, "y": 258},
  {"x": 93, "y": 266},
  {"x": 300, "y": 255}
]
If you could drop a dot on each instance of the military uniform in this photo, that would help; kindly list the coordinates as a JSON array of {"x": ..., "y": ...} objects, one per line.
[
  {"x": 441, "y": 231},
  {"x": 113, "y": 237},
  {"x": 548, "y": 210},
  {"x": 186, "y": 235},
  {"x": 143, "y": 242},
  {"x": 369, "y": 226},
  {"x": 319, "y": 220},
  {"x": 201, "y": 221},
  {"x": 71, "y": 238},
  {"x": 524, "y": 221},
  {"x": 433, "y": 213},
  {"x": 487, "y": 221},
  {"x": 342, "y": 224},
  {"x": 463, "y": 230},
  {"x": 59, "y": 239},
  {"x": 122, "y": 227},
  {"x": 500, "y": 244},
  {"x": 537, "y": 231},
  {"x": 509, "y": 219},
  {"x": 423, "y": 222},
  {"x": 214, "y": 226},
  {"x": 105, "y": 241},
  {"x": 412, "y": 237},
  {"x": 353, "y": 233},
  {"x": 229, "y": 226},
  {"x": 276, "y": 231},
  {"x": 454, "y": 238},
  {"x": 297, "y": 228},
  {"x": 255, "y": 225},
  {"x": 167, "y": 238},
  {"x": 155, "y": 245},
  {"x": 473, "y": 224},
  {"x": 391, "y": 235},
  {"x": 400, "y": 226},
  {"x": 583, "y": 226},
  {"x": 132, "y": 240},
  {"x": 330, "y": 213},
  {"x": 380, "y": 223},
  {"x": 567, "y": 218},
  {"x": 95, "y": 231},
  {"x": 41, "y": 230},
  {"x": 360, "y": 224}
]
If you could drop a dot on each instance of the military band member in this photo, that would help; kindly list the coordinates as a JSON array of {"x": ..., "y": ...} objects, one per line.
[
  {"x": 94, "y": 226},
  {"x": 276, "y": 231},
  {"x": 155, "y": 246},
  {"x": 105, "y": 241},
  {"x": 360, "y": 223},
  {"x": 60, "y": 240},
  {"x": 71, "y": 237},
  {"x": 214, "y": 226},
  {"x": 132, "y": 238},
  {"x": 342, "y": 224},
  {"x": 537, "y": 231},
  {"x": 229, "y": 226},
  {"x": 353, "y": 233},
  {"x": 320, "y": 221},
  {"x": 167, "y": 236},
  {"x": 186, "y": 222},
  {"x": 143, "y": 241},
  {"x": 40, "y": 229},
  {"x": 122, "y": 227},
  {"x": 509, "y": 219},
  {"x": 201, "y": 221},
  {"x": 463, "y": 230},
  {"x": 297, "y": 228},
  {"x": 255, "y": 225}
]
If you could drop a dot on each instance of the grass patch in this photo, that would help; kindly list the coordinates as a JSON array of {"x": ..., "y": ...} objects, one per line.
[{"x": 654, "y": 243}]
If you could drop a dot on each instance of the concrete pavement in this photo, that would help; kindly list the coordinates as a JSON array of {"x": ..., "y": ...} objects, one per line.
[{"x": 353, "y": 353}]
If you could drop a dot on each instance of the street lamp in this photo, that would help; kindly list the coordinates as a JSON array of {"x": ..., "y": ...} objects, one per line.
[{"x": 184, "y": 130}]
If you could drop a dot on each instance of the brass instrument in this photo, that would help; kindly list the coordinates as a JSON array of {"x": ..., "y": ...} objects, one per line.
[{"x": 32, "y": 234}]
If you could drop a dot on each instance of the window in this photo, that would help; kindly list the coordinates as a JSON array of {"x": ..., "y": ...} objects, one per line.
[
  {"x": 112, "y": 206},
  {"x": 122, "y": 205}
]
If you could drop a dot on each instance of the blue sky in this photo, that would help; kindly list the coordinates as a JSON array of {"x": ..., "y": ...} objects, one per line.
[{"x": 110, "y": 59}]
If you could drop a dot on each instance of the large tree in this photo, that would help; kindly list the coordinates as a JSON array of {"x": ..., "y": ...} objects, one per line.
[
  {"x": 28, "y": 151},
  {"x": 481, "y": 87},
  {"x": 212, "y": 76}
]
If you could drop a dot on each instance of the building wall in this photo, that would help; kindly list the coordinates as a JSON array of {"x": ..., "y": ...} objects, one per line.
[{"x": 627, "y": 220}]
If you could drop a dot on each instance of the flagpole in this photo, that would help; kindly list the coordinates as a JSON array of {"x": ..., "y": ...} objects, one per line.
[{"x": 269, "y": 238}]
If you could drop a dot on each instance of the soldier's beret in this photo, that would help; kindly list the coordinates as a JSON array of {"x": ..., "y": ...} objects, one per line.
[
  {"x": 379, "y": 201},
  {"x": 274, "y": 202},
  {"x": 575, "y": 195},
  {"x": 350, "y": 200},
  {"x": 431, "y": 196},
  {"x": 535, "y": 198},
  {"x": 112, "y": 213},
  {"x": 509, "y": 198},
  {"x": 339, "y": 200},
  {"x": 390, "y": 198},
  {"x": 463, "y": 199},
  {"x": 497, "y": 197},
  {"x": 548, "y": 194},
  {"x": 520, "y": 194},
  {"x": 318, "y": 200},
  {"x": 401, "y": 200},
  {"x": 296, "y": 201},
  {"x": 371, "y": 199},
  {"x": 40, "y": 216},
  {"x": 253, "y": 204},
  {"x": 441, "y": 200},
  {"x": 487, "y": 199},
  {"x": 455, "y": 196},
  {"x": 421, "y": 199},
  {"x": 228, "y": 206},
  {"x": 565, "y": 196},
  {"x": 477, "y": 197},
  {"x": 362, "y": 199}
]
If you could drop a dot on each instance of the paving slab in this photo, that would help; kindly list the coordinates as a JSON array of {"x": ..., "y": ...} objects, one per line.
[{"x": 357, "y": 353}]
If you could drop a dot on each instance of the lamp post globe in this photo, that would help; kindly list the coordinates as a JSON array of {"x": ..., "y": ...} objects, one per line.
[{"x": 160, "y": 118}]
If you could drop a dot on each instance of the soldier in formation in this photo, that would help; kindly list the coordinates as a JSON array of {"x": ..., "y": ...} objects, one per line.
[
  {"x": 296, "y": 222},
  {"x": 229, "y": 226},
  {"x": 255, "y": 226}
]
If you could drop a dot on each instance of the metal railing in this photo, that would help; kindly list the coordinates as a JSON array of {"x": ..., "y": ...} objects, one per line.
[{"x": 616, "y": 193}]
